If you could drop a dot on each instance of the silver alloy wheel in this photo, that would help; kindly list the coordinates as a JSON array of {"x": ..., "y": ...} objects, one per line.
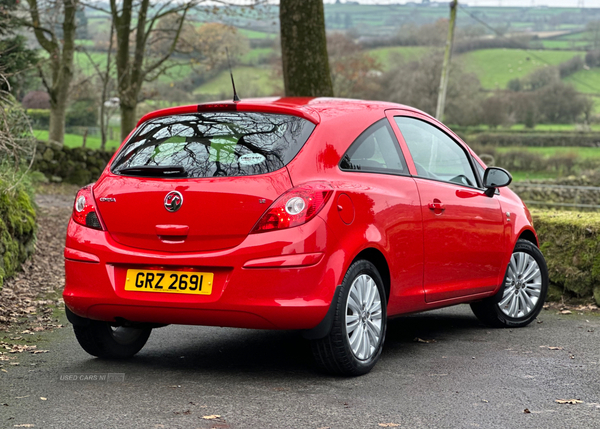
[
  {"x": 522, "y": 286},
  {"x": 363, "y": 317}
]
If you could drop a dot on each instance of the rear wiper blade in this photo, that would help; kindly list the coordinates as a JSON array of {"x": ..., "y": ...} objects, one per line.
[{"x": 155, "y": 170}]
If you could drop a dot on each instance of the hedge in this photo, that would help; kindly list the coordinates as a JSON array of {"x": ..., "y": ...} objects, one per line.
[
  {"x": 79, "y": 166},
  {"x": 17, "y": 229},
  {"x": 82, "y": 113},
  {"x": 570, "y": 242},
  {"x": 535, "y": 139}
]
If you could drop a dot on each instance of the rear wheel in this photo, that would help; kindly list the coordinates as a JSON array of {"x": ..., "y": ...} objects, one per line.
[
  {"x": 106, "y": 341},
  {"x": 523, "y": 292},
  {"x": 354, "y": 344}
]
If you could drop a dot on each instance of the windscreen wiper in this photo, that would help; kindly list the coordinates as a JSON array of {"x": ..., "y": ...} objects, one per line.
[{"x": 154, "y": 171}]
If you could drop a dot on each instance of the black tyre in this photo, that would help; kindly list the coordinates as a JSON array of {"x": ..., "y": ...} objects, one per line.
[
  {"x": 522, "y": 295},
  {"x": 354, "y": 344},
  {"x": 105, "y": 341}
]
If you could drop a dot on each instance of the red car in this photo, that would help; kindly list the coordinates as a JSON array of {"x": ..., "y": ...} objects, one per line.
[{"x": 322, "y": 215}]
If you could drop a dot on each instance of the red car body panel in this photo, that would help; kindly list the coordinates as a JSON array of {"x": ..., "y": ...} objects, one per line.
[{"x": 286, "y": 279}]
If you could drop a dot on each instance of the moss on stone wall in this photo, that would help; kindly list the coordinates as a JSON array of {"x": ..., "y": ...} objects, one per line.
[
  {"x": 570, "y": 242},
  {"x": 17, "y": 229}
]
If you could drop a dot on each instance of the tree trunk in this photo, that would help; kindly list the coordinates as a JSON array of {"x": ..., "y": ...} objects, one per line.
[
  {"x": 304, "y": 49},
  {"x": 61, "y": 60},
  {"x": 58, "y": 113},
  {"x": 128, "y": 120}
]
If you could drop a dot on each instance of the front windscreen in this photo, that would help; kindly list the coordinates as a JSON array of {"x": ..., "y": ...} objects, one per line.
[{"x": 213, "y": 144}]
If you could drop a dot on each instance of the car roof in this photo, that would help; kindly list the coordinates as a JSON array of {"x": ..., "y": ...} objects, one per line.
[{"x": 312, "y": 109}]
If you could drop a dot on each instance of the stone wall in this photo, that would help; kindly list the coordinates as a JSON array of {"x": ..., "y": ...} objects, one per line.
[
  {"x": 78, "y": 165},
  {"x": 17, "y": 230},
  {"x": 570, "y": 242}
]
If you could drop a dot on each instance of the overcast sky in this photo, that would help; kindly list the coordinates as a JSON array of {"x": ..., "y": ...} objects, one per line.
[{"x": 560, "y": 3}]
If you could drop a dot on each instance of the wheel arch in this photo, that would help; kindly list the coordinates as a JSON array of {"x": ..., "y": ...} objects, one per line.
[
  {"x": 377, "y": 258},
  {"x": 529, "y": 235}
]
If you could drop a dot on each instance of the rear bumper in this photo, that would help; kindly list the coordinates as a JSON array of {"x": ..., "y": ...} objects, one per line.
[{"x": 276, "y": 280}]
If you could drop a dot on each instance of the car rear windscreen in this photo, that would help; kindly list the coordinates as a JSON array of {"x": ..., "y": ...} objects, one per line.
[{"x": 213, "y": 144}]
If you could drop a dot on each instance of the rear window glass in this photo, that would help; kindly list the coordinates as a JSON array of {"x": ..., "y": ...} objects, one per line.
[{"x": 213, "y": 144}]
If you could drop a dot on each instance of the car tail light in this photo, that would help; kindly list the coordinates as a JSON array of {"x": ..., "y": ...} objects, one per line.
[
  {"x": 295, "y": 207},
  {"x": 84, "y": 209}
]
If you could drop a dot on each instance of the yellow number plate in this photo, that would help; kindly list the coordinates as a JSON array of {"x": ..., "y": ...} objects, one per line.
[{"x": 188, "y": 282}]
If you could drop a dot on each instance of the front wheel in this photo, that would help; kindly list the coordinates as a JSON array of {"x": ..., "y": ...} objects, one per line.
[
  {"x": 354, "y": 344},
  {"x": 523, "y": 292}
]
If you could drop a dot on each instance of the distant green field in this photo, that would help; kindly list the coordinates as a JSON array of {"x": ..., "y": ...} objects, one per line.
[
  {"x": 519, "y": 176},
  {"x": 178, "y": 72},
  {"x": 254, "y": 56},
  {"x": 496, "y": 67},
  {"x": 83, "y": 61},
  {"x": 249, "y": 81},
  {"x": 73, "y": 140},
  {"x": 386, "y": 55},
  {"x": 564, "y": 44},
  {"x": 521, "y": 127},
  {"x": 587, "y": 81},
  {"x": 251, "y": 34},
  {"x": 582, "y": 152}
]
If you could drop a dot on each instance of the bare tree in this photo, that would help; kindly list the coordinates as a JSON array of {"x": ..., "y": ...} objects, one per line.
[
  {"x": 104, "y": 75},
  {"x": 48, "y": 16},
  {"x": 137, "y": 21}
]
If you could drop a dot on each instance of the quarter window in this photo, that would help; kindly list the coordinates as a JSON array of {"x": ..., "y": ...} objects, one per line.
[
  {"x": 435, "y": 154},
  {"x": 376, "y": 150}
]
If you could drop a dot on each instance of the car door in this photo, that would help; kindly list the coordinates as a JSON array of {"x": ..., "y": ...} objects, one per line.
[
  {"x": 386, "y": 200},
  {"x": 462, "y": 227}
]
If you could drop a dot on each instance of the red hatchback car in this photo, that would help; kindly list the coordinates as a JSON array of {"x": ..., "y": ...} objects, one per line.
[{"x": 322, "y": 215}]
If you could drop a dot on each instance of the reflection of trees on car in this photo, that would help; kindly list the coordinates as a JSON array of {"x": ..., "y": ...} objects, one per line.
[{"x": 211, "y": 144}]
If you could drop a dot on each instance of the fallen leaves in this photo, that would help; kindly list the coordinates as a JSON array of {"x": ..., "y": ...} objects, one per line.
[
  {"x": 569, "y": 401},
  {"x": 565, "y": 312},
  {"x": 526, "y": 411},
  {"x": 17, "y": 348},
  {"x": 21, "y": 304},
  {"x": 420, "y": 340},
  {"x": 211, "y": 417}
]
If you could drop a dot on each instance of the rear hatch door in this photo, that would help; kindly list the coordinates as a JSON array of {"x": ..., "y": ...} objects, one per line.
[{"x": 198, "y": 182}]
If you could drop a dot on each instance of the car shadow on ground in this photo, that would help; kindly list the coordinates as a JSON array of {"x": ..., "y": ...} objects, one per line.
[{"x": 196, "y": 351}]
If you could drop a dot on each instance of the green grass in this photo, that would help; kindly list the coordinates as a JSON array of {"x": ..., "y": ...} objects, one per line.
[
  {"x": 586, "y": 81},
  {"x": 519, "y": 176},
  {"x": 496, "y": 67},
  {"x": 251, "y": 34},
  {"x": 255, "y": 56},
  {"x": 581, "y": 152},
  {"x": 387, "y": 55},
  {"x": 84, "y": 63},
  {"x": 564, "y": 44},
  {"x": 521, "y": 127},
  {"x": 74, "y": 140},
  {"x": 249, "y": 81}
]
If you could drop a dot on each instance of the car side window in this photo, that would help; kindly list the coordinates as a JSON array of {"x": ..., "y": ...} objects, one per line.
[
  {"x": 375, "y": 150},
  {"x": 435, "y": 154}
]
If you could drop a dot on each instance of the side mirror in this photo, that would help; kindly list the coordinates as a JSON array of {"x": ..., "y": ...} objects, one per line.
[{"x": 495, "y": 177}]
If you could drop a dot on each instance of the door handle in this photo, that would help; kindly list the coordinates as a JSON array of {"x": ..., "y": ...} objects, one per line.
[{"x": 437, "y": 205}]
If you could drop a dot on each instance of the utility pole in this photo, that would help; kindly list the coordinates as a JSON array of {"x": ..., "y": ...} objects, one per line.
[{"x": 439, "y": 112}]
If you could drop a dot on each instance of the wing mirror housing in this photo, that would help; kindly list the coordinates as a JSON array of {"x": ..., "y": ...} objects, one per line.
[{"x": 495, "y": 177}]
